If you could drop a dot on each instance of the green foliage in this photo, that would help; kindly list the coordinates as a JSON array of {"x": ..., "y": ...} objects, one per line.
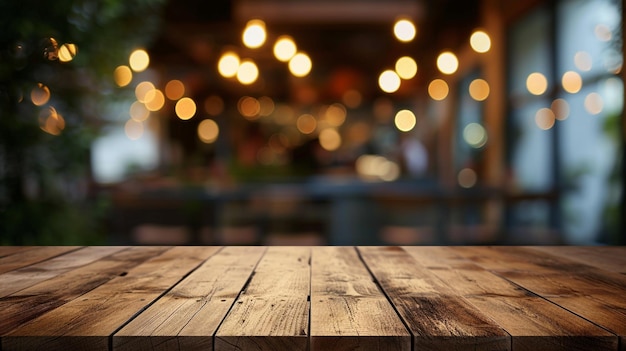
[{"x": 45, "y": 176}]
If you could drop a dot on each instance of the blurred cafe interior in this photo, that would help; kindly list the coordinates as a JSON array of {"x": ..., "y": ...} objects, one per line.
[{"x": 311, "y": 122}]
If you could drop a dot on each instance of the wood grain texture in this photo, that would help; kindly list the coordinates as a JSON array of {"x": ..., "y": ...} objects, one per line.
[
  {"x": 27, "y": 304},
  {"x": 24, "y": 277},
  {"x": 272, "y": 312},
  {"x": 12, "y": 250},
  {"x": 88, "y": 321},
  {"x": 593, "y": 294},
  {"x": 348, "y": 310},
  {"x": 533, "y": 322},
  {"x": 438, "y": 317},
  {"x": 187, "y": 316},
  {"x": 610, "y": 258},
  {"x": 25, "y": 258}
]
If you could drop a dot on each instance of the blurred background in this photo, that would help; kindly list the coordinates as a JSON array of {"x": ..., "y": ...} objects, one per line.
[{"x": 314, "y": 122}]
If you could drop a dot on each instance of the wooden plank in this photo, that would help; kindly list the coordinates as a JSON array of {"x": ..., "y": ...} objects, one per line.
[
  {"x": 24, "y": 277},
  {"x": 591, "y": 293},
  {"x": 27, "y": 304},
  {"x": 437, "y": 315},
  {"x": 12, "y": 250},
  {"x": 88, "y": 321},
  {"x": 533, "y": 322},
  {"x": 610, "y": 258},
  {"x": 189, "y": 314},
  {"x": 28, "y": 257},
  {"x": 348, "y": 310},
  {"x": 272, "y": 312}
]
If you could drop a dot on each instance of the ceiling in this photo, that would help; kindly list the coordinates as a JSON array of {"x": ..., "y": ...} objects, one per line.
[{"x": 350, "y": 42}]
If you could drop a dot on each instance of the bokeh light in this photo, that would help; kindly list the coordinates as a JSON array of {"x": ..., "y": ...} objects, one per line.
[
  {"x": 208, "y": 131},
  {"x": 50, "y": 121},
  {"x": 352, "y": 98},
  {"x": 335, "y": 114},
  {"x": 139, "y": 60},
  {"x": 560, "y": 108},
  {"x": 133, "y": 129},
  {"x": 447, "y": 62},
  {"x": 404, "y": 30},
  {"x": 467, "y": 178},
  {"x": 406, "y": 67},
  {"x": 248, "y": 72},
  {"x": 479, "y": 89},
  {"x": 438, "y": 89},
  {"x": 594, "y": 104},
  {"x": 480, "y": 41},
  {"x": 536, "y": 83},
  {"x": 122, "y": 75},
  {"x": 185, "y": 108},
  {"x": 572, "y": 82},
  {"x": 306, "y": 123},
  {"x": 174, "y": 89},
  {"x": 300, "y": 65},
  {"x": 583, "y": 61},
  {"x": 67, "y": 52},
  {"x": 143, "y": 90},
  {"x": 330, "y": 139},
  {"x": 40, "y": 95},
  {"x": 603, "y": 32},
  {"x": 405, "y": 120},
  {"x": 545, "y": 118},
  {"x": 228, "y": 64},
  {"x": 249, "y": 107},
  {"x": 138, "y": 111},
  {"x": 389, "y": 81},
  {"x": 254, "y": 34},
  {"x": 475, "y": 135},
  {"x": 267, "y": 106},
  {"x": 155, "y": 100},
  {"x": 284, "y": 48}
]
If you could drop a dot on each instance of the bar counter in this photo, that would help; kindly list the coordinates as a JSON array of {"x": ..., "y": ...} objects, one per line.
[{"x": 313, "y": 298}]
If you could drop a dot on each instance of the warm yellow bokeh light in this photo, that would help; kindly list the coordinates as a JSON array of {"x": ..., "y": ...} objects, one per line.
[
  {"x": 572, "y": 82},
  {"x": 185, "y": 108},
  {"x": 560, "y": 108},
  {"x": 467, "y": 178},
  {"x": 300, "y": 64},
  {"x": 50, "y": 121},
  {"x": 248, "y": 72},
  {"x": 447, "y": 62},
  {"x": 139, "y": 60},
  {"x": 475, "y": 135},
  {"x": 583, "y": 61},
  {"x": 208, "y": 131},
  {"x": 174, "y": 89},
  {"x": 284, "y": 48},
  {"x": 545, "y": 118},
  {"x": 138, "y": 111},
  {"x": 389, "y": 81},
  {"x": 249, "y": 107},
  {"x": 133, "y": 129},
  {"x": 594, "y": 104},
  {"x": 335, "y": 114},
  {"x": 405, "y": 120},
  {"x": 155, "y": 100},
  {"x": 228, "y": 64},
  {"x": 122, "y": 75},
  {"x": 406, "y": 67},
  {"x": 40, "y": 95},
  {"x": 438, "y": 89},
  {"x": 536, "y": 83},
  {"x": 267, "y": 106},
  {"x": 330, "y": 139},
  {"x": 404, "y": 30},
  {"x": 480, "y": 41},
  {"x": 254, "y": 34},
  {"x": 214, "y": 105},
  {"x": 603, "y": 32},
  {"x": 306, "y": 123},
  {"x": 143, "y": 91},
  {"x": 67, "y": 52},
  {"x": 479, "y": 89}
]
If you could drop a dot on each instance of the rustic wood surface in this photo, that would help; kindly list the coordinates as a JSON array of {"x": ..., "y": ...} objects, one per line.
[{"x": 313, "y": 298}]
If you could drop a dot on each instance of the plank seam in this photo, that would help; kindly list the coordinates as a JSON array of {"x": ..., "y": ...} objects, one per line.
[
  {"x": 243, "y": 289},
  {"x": 308, "y": 345},
  {"x": 559, "y": 306},
  {"x": 144, "y": 308},
  {"x": 380, "y": 287}
]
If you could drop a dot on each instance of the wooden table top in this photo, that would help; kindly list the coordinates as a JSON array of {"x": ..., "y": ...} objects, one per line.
[{"x": 313, "y": 298}]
